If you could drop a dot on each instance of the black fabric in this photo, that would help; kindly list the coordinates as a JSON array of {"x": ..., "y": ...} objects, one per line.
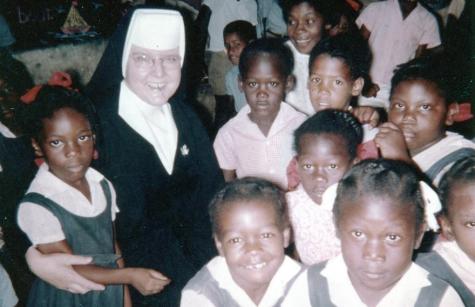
[
  {"x": 89, "y": 236},
  {"x": 163, "y": 221},
  {"x": 435, "y": 264},
  {"x": 318, "y": 286},
  {"x": 432, "y": 295},
  {"x": 453, "y": 157}
]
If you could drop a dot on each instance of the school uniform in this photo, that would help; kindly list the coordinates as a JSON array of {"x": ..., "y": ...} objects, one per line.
[
  {"x": 394, "y": 40},
  {"x": 240, "y": 145},
  {"x": 213, "y": 286},
  {"x": 53, "y": 211},
  {"x": 436, "y": 160},
  {"x": 328, "y": 284},
  {"x": 313, "y": 227},
  {"x": 448, "y": 262}
]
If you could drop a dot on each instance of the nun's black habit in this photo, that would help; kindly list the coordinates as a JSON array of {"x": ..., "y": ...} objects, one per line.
[{"x": 163, "y": 221}]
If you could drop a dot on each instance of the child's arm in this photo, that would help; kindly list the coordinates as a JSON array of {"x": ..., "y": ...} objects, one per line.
[
  {"x": 57, "y": 270},
  {"x": 146, "y": 281}
]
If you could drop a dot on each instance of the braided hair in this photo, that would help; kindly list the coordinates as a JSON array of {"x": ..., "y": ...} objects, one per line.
[{"x": 338, "y": 122}]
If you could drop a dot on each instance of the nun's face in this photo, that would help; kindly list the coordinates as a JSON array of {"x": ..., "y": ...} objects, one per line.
[{"x": 153, "y": 75}]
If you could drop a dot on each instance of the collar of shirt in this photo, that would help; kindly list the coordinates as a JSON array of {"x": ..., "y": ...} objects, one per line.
[{"x": 403, "y": 293}]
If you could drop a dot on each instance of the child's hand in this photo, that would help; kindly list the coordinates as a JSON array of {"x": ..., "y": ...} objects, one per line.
[
  {"x": 372, "y": 90},
  {"x": 391, "y": 143},
  {"x": 148, "y": 281},
  {"x": 367, "y": 115}
]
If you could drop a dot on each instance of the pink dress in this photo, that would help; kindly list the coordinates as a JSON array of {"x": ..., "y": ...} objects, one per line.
[{"x": 312, "y": 224}]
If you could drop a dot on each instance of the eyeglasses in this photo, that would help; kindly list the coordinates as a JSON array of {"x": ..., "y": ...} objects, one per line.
[{"x": 145, "y": 61}]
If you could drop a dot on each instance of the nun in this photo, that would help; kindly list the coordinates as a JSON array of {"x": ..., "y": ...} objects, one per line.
[{"x": 155, "y": 151}]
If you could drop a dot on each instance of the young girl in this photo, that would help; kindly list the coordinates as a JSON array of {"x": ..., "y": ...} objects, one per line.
[
  {"x": 419, "y": 114},
  {"x": 454, "y": 260},
  {"x": 257, "y": 141},
  {"x": 305, "y": 28},
  {"x": 379, "y": 217},
  {"x": 251, "y": 230},
  {"x": 326, "y": 148},
  {"x": 70, "y": 207}
]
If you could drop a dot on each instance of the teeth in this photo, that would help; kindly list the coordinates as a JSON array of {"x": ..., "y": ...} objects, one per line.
[
  {"x": 257, "y": 266},
  {"x": 155, "y": 86}
]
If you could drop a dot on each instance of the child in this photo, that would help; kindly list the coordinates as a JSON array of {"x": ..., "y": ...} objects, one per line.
[
  {"x": 326, "y": 148},
  {"x": 251, "y": 230},
  {"x": 69, "y": 207},
  {"x": 421, "y": 110},
  {"x": 454, "y": 260},
  {"x": 305, "y": 28},
  {"x": 379, "y": 217},
  {"x": 397, "y": 31},
  {"x": 340, "y": 19},
  {"x": 257, "y": 141},
  {"x": 237, "y": 35}
]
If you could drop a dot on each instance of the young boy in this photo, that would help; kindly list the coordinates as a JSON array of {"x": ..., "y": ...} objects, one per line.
[
  {"x": 237, "y": 35},
  {"x": 251, "y": 230},
  {"x": 258, "y": 140}
]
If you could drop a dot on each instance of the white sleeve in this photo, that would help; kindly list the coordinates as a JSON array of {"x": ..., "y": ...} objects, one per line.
[
  {"x": 368, "y": 17},
  {"x": 431, "y": 34},
  {"x": 451, "y": 299},
  {"x": 298, "y": 294},
  {"x": 191, "y": 298},
  {"x": 40, "y": 225},
  {"x": 224, "y": 150}
]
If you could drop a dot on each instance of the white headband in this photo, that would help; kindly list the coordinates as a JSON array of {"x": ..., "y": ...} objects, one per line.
[
  {"x": 431, "y": 200},
  {"x": 154, "y": 29}
]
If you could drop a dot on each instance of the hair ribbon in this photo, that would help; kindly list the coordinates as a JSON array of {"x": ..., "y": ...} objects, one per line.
[
  {"x": 58, "y": 78},
  {"x": 432, "y": 205},
  {"x": 463, "y": 112}
]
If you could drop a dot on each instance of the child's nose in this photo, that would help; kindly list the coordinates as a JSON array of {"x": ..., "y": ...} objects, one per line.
[
  {"x": 373, "y": 250},
  {"x": 253, "y": 245},
  {"x": 72, "y": 149}
]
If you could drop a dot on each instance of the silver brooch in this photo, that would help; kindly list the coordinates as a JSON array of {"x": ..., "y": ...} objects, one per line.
[{"x": 184, "y": 150}]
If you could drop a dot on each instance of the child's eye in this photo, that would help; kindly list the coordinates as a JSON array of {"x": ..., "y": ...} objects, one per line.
[
  {"x": 267, "y": 235},
  {"x": 274, "y": 84},
  {"x": 470, "y": 224},
  {"x": 393, "y": 238},
  {"x": 55, "y": 143},
  {"x": 252, "y": 84},
  {"x": 291, "y": 22},
  {"x": 84, "y": 137},
  {"x": 339, "y": 82},
  {"x": 333, "y": 166},
  {"x": 426, "y": 107},
  {"x": 307, "y": 166},
  {"x": 235, "y": 240},
  {"x": 397, "y": 105},
  {"x": 315, "y": 80},
  {"x": 310, "y": 21},
  {"x": 357, "y": 234}
]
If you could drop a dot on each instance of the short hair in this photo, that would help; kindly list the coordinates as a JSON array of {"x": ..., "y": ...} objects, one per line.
[
  {"x": 244, "y": 29},
  {"x": 15, "y": 74},
  {"x": 271, "y": 47},
  {"x": 338, "y": 122},
  {"x": 318, "y": 5},
  {"x": 247, "y": 189},
  {"x": 433, "y": 69},
  {"x": 461, "y": 172},
  {"x": 336, "y": 9},
  {"x": 49, "y": 100},
  {"x": 352, "y": 50},
  {"x": 392, "y": 179}
]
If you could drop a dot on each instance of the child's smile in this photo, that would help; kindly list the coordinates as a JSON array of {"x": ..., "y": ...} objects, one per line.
[{"x": 252, "y": 241}]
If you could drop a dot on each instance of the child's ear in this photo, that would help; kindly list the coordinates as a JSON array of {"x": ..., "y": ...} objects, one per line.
[
  {"x": 286, "y": 234},
  {"x": 219, "y": 245},
  {"x": 453, "y": 110},
  {"x": 37, "y": 148},
  {"x": 357, "y": 87},
  {"x": 289, "y": 83},
  {"x": 446, "y": 227}
]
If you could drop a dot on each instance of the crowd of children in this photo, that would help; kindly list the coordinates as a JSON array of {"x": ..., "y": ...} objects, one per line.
[{"x": 325, "y": 202}]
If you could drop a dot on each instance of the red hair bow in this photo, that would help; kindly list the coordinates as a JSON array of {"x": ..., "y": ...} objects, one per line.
[{"x": 58, "y": 78}]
